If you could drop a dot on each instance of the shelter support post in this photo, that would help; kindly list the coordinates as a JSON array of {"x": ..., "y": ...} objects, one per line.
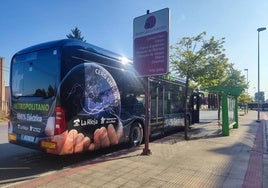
[
  {"x": 236, "y": 113},
  {"x": 225, "y": 120}
]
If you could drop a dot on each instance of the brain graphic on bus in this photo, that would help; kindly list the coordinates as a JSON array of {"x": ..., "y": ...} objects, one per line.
[
  {"x": 101, "y": 92},
  {"x": 91, "y": 97}
]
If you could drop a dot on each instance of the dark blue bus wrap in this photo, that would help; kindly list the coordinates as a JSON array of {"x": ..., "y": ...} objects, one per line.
[{"x": 68, "y": 97}]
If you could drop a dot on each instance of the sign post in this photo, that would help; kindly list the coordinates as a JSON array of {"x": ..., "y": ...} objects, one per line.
[{"x": 151, "y": 54}]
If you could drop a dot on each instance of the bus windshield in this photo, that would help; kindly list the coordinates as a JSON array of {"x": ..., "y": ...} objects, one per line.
[{"x": 35, "y": 74}]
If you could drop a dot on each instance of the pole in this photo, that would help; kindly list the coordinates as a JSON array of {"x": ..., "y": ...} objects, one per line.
[
  {"x": 186, "y": 137},
  {"x": 258, "y": 95},
  {"x": 146, "y": 150},
  {"x": 247, "y": 80},
  {"x": 246, "y": 105},
  {"x": 259, "y": 30}
]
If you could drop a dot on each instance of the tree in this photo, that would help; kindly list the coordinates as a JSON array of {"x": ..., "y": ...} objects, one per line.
[
  {"x": 76, "y": 34},
  {"x": 214, "y": 71},
  {"x": 234, "y": 78},
  {"x": 190, "y": 57},
  {"x": 204, "y": 63},
  {"x": 197, "y": 58},
  {"x": 244, "y": 98}
]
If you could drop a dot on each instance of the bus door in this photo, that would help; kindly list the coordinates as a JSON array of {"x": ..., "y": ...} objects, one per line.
[
  {"x": 156, "y": 107},
  {"x": 195, "y": 102}
]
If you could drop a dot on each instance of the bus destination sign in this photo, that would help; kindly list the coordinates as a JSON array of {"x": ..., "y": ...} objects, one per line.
[{"x": 151, "y": 43}]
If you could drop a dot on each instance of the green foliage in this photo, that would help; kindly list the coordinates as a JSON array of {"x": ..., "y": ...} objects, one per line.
[
  {"x": 204, "y": 62},
  {"x": 168, "y": 77},
  {"x": 191, "y": 55},
  {"x": 244, "y": 98},
  {"x": 194, "y": 85},
  {"x": 234, "y": 78},
  {"x": 76, "y": 34},
  {"x": 213, "y": 72}
]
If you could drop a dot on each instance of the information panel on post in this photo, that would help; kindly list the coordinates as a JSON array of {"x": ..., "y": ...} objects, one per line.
[
  {"x": 151, "y": 43},
  {"x": 151, "y": 54}
]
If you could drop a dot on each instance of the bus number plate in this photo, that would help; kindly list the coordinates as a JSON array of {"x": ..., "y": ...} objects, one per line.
[{"x": 27, "y": 138}]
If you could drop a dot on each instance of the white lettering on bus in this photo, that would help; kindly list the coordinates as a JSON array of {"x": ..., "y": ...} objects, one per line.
[
  {"x": 23, "y": 127},
  {"x": 78, "y": 122},
  {"x": 35, "y": 129},
  {"x": 29, "y": 117},
  {"x": 109, "y": 81}
]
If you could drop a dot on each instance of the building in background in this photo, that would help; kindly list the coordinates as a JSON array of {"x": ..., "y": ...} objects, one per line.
[
  {"x": 3, "y": 90},
  {"x": 260, "y": 96}
]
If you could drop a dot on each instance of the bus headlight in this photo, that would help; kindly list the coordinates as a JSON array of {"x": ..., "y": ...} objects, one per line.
[
  {"x": 12, "y": 137},
  {"x": 48, "y": 145}
]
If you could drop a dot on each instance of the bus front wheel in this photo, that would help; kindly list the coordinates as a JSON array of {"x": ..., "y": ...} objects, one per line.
[{"x": 136, "y": 134}]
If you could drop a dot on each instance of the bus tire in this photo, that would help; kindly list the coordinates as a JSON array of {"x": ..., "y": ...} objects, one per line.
[{"x": 136, "y": 134}]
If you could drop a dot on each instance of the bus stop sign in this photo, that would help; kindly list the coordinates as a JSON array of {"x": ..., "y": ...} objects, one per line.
[{"x": 151, "y": 43}]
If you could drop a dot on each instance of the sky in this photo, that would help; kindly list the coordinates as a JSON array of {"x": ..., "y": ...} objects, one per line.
[{"x": 109, "y": 24}]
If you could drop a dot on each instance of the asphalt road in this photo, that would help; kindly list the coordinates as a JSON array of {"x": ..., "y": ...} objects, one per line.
[{"x": 19, "y": 163}]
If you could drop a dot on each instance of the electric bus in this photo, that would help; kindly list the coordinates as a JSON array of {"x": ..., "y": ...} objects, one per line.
[{"x": 67, "y": 96}]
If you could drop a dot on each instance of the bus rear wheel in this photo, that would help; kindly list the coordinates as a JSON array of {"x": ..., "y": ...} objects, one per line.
[{"x": 136, "y": 134}]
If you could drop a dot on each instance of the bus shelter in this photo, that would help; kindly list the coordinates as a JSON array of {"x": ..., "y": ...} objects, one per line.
[{"x": 229, "y": 104}]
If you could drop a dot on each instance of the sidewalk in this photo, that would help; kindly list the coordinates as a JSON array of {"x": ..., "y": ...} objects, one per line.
[{"x": 207, "y": 160}]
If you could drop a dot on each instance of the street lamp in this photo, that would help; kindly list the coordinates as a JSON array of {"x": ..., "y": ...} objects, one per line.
[
  {"x": 259, "y": 30},
  {"x": 246, "y": 105},
  {"x": 247, "y": 78}
]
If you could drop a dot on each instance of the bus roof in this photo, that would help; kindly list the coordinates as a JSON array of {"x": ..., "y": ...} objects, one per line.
[{"x": 70, "y": 42}]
